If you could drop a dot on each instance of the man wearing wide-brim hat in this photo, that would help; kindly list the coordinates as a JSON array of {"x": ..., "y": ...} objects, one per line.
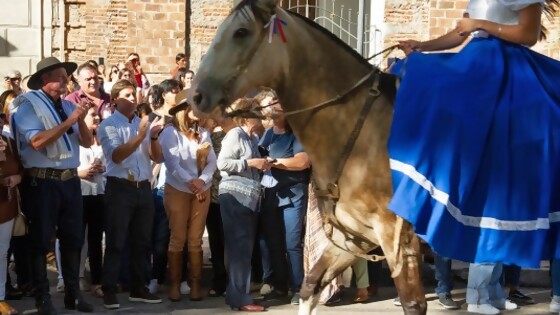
[{"x": 49, "y": 131}]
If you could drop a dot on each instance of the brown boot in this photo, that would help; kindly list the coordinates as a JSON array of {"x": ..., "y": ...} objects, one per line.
[
  {"x": 195, "y": 274},
  {"x": 175, "y": 261}
]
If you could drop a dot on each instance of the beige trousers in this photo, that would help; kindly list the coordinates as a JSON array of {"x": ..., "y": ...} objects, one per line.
[{"x": 187, "y": 218}]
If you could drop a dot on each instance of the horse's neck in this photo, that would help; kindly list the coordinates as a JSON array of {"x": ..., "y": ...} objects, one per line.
[{"x": 320, "y": 69}]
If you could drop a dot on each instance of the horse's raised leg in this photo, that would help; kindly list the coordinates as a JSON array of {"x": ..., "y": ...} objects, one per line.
[
  {"x": 402, "y": 251},
  {"x": 333, "y": 262}
]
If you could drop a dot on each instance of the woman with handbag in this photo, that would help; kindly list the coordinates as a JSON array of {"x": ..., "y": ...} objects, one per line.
[
  {"x": 190, "y": 163},
  {"x": 240, "y": 165},
  {"x": 10, "y": 176}
]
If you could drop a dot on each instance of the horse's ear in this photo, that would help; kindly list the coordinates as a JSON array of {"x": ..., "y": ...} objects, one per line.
[{"x": 268, "y": 6}]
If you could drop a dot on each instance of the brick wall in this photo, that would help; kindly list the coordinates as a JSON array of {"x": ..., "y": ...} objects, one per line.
[
  {"x": 159, "y": 29},
  {"x": 206, "y": 16},
  {"x": 428, "y": 19}
]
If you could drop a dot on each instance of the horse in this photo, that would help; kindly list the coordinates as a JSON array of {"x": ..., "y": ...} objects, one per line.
[{"x": 340, "y": 107}]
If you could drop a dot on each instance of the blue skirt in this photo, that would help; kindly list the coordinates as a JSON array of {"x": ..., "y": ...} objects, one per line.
[{"x": 475, "y": 152}]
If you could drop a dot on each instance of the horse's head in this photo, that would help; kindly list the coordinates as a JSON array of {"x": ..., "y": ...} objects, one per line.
[{"x": 238, "y": 59}]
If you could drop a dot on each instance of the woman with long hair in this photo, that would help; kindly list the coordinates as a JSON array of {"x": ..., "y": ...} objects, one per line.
[{"x": 190, "y": 163}]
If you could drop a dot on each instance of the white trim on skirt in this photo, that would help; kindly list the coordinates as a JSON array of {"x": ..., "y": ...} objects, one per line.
[{"x": 479, "y": 222}]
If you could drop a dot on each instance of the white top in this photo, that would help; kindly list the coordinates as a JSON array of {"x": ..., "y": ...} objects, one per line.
[
  {"x": 498, "y": 11},
  {"x": 179, "y": 153},
  {"x": 95, "y": 186}
]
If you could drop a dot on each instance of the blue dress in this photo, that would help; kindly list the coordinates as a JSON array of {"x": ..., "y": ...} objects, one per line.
[{"x": 475, "y": 152}]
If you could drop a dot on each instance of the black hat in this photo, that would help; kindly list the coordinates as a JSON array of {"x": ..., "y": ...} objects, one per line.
[
  {"x": 46, "y": 65},
  {"x": 174, "y": 110}
]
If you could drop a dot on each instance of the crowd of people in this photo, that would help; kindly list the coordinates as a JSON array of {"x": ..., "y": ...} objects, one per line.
[{"x": 120, "y": 172}]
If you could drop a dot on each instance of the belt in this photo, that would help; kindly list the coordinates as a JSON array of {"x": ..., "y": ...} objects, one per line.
[
  {"x": 52, "y": 173},
  {"x": 131, "y": 182}
]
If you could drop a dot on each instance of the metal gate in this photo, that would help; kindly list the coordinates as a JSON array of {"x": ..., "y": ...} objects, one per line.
[{"x": 350, "y": 20}]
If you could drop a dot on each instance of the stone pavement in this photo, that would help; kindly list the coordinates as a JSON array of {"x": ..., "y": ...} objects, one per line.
[
  {"x": 535, "y": 282},
  {"x": 215, "y": 306}
]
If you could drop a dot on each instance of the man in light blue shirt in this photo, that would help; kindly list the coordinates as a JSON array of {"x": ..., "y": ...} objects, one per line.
[
  {"x": 48, "y": 132},
  {"x": 128, "y": 196}
]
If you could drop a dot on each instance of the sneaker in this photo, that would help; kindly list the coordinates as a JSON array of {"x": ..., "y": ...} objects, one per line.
[
  {"x": 504, "y": 305},
  {"x": 266, "y": 289},
  {"x": 335, "y": 298},
  {"x": 275, "y": 295},
  {"x": 144, "y": 296},
  {"x": 447, "y": 302},
  {"x": 185, "y": 289},
  {"x": 110, "y": 301},
  {"x": 555, "y": 304},
  {"x": 518, "y": 297},
  {"x": 397, "y": 301},
  {"x": 295, "y": 299},
  {"x": 482, "y": 309},
  {"x": 153, "y": 286},
  {"x": 60, "y": 286},
  {"x": 84, "y": 285}
]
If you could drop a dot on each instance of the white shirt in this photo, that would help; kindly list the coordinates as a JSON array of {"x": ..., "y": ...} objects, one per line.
[
  {"x": 497, "y": 11},
  {"x": 179, "y": 153},
  {"x": 95, "y": 186},
  {"x": 116, "y": 131}
]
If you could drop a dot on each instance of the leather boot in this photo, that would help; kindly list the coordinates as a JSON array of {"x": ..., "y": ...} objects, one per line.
[
  {"x": 41, "y": 283},
  {"x": 175, "y": 263},
  {"x": 73, "y": 299},
  {"x": 195, "y": 274}
]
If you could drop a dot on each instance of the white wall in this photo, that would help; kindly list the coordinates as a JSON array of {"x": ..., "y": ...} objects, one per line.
[{"x": 22, "y": 43}]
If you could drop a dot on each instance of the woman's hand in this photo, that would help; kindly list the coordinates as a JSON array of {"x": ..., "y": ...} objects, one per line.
[
  {"x": 409, "y": 46},
  {"x": 88, "y": 173},
  {"x": 196, "y": 185},
  {"x": 12, "y": 181},
  {"x": 466, "y": 26},
  {"x": 200, "y": 197},
  {"x": 259, "y": 163}
]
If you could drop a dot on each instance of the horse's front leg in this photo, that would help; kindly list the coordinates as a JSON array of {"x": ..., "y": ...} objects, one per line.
[
  {"x": 332, "y": 263},
  {"x": 402, "y": 251}
]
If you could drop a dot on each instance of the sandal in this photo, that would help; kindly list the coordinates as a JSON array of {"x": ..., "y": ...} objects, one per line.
[{"x": 7, "y": 309}]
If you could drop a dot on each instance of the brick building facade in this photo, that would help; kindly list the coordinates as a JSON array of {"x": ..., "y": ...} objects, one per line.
[{"x": 159, "y": 29}]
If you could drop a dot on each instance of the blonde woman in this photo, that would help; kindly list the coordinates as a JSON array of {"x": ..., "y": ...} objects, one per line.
[{"x": 190, "y": 163}]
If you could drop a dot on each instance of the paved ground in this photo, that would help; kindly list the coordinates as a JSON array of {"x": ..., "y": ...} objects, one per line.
[
  {"x": 537, "y": 282},
  {"x": 215, "y": 306}
]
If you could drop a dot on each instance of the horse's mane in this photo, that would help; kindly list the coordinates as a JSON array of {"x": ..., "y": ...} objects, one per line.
[
  {"x": 551, "y": 8},
  {"x": 340, "y": 42},
  {"x": 333, "y": 37},
  {"x": 388, "y": 81}
]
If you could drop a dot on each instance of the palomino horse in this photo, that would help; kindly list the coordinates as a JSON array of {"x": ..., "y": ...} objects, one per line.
[{"x": 306, "y": 65}]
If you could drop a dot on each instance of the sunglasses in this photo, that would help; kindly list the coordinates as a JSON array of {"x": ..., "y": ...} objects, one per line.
[{"x": 15, "y": 79}]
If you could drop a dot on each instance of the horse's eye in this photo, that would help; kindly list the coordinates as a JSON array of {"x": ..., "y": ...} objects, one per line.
[{"x": 240, "y": 33}]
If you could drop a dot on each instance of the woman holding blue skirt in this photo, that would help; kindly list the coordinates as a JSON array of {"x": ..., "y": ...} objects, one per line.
[{"x": 475, "y": 142}]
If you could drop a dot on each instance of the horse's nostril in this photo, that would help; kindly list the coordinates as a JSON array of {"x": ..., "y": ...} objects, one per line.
[{"x": 197, "y": 98}]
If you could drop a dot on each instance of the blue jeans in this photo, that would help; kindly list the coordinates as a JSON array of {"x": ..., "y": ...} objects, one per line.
[
  {"x": 160, "y": 238},
  {"x": 555, "y": 276},
  {"x": 484, "y": 286},
  {"x": 444, "y": 275},
  {"x": 282, "y": 228},
  {"x": 240, "y": 227}
]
